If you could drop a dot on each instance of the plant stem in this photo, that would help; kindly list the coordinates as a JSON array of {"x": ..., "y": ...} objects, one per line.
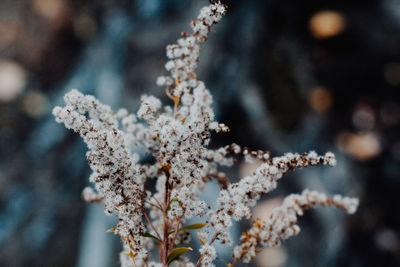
[
  {"x": 165, "y": 249},
  {"x": 202, "y": 255},
  {"x": 151, "y": 225},
  {"x": 176, "y": 233}
]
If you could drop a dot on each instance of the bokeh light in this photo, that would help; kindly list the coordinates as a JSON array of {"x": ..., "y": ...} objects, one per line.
[
  {"x": 35, "y": 104},
  {"x": 361, "y": 146},
  {"x": 12, "y": 80},
  {"x": 326, "y": 24},
  {"x": 49, "y": 9},
  {"x": 320, "y": 99}
]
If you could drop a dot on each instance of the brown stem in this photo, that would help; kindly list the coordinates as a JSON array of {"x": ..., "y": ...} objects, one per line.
[
  {"x": 130, "y": 247},
  {"x": 234, "y": 262},
  {"x": 166, "y": 224},
  {"x": 210, "y": 243},
  {"x": 176, "y": 233},
  {"x": 158, "y": 202},
  {"x": 214, "y": 237},
  {"x": 165, "y": 244},
  {"x": 174, "y": 98},
  {"x": 151, "y": 225}
]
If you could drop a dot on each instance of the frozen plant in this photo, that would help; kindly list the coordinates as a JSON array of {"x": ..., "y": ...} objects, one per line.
[{"x": 177, "y": 138}]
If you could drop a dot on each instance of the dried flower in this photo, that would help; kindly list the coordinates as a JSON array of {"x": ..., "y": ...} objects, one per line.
[{"x": 178, "y": 140}]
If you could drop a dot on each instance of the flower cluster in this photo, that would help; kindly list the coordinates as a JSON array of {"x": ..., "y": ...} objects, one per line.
[
  {"x": 237, "y": 200},
  {"x": 177, "y": 137},
  {"x": 117, "y": 177},
  {"x": 281, "y": 223}
]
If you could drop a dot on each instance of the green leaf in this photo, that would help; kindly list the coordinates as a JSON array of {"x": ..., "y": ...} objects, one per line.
[
  {"x": 151, "y": 236},
  {"x": 176, "y": 253},
  {"x": 111, "y": 230},
  {"x": 190, "y": 227},
  {"x": 154, "y": 205}
]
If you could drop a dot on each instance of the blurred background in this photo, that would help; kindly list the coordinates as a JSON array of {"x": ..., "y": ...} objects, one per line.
[{"x": 286, "y": 76}]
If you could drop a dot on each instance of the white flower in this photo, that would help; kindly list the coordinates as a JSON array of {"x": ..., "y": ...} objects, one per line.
[
  {"x": 149, "y": 107},
  {"x": 177, "y": 140},
  {"x": 209, "y": 254}
]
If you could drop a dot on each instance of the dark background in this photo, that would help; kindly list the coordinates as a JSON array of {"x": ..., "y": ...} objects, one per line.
[{"x": 286, "y": 75}]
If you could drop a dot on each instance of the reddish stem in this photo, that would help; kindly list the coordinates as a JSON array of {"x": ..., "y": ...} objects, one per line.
[
  {"x": 202, "y": 255},
  {"x": 151, "y": 225},
  {"x": 176, "y": 233},
  {"x": 165, "y": 249}
]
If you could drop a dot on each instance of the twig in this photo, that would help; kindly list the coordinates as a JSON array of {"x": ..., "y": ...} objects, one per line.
[
  {"x": 176, "y": 233},
  {"x": 151, "y": 224},
  {"x": 166, "y": 225},
  {"x": 158, "y": 202},
  {"x": 210, "y": 243}
]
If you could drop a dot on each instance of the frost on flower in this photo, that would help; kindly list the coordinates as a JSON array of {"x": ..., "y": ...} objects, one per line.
[
  {"x": 177, "y": 137},
  {"x": 282, "y": 221},
  {"x": 209, "y": 254}
]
